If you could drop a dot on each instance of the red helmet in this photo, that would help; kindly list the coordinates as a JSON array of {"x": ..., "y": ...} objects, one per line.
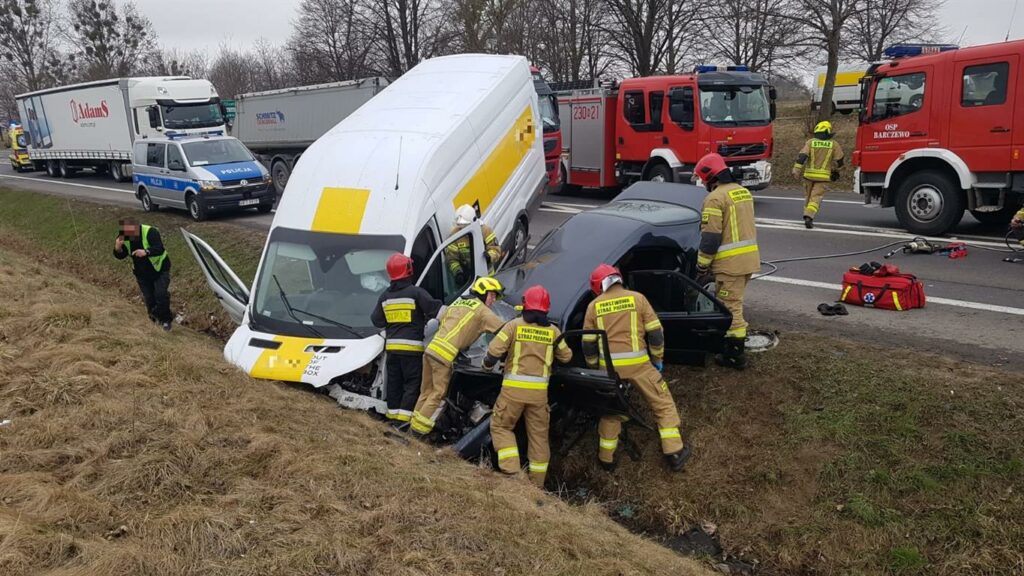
[
  {"x": 537, "y": 298},
  {"x": 599, "y": 274},
  {"x": 399, "y": 266},
  {"x": 709, "y": 167}
]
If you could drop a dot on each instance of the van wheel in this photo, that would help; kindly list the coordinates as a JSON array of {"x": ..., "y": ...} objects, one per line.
[
  {"x": 51, "y": 169},
  {"x": 280, "y": 173},
  {"x": 659, "y": 173},
  {"x": 147, "y": 202},
  {"x": 265, "y": 208},
  {"x": 929, "y": 203},
  {"x": 520, "y": 240},
  {"x": 196, "y": 208}
]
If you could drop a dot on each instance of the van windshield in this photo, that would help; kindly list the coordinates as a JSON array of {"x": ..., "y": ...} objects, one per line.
[
  {"x": 730, "y": 105},
  {"x": 213, "y": 152},
  {"x": 331, "y": 282}
]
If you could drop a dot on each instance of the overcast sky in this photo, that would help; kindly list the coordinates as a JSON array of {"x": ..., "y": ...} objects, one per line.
[{"x": 206, "y": 24}]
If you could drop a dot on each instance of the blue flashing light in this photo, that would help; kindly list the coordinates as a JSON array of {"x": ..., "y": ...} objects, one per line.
[
  {"x": 702, "y": 68},
  {"x": 908, "y": 50}
]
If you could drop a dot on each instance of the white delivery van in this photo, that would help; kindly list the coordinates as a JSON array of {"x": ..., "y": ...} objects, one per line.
[
  {"x": 453, "y": 130},
  {"x": 845, "y": 95}
]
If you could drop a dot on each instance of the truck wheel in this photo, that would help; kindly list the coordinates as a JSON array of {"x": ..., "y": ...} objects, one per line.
[
  {"x": 659, "y": 173},
  {"x": 147, "y": 202},
  {"x": 51, "y": 169},
  {"x": 196, "y": 208},
  {"x": 929, "y": 203},
  {"x": 65, "y": 170},
  {"x": 999, "y": 217},
  {"x": 117, "y": 172},
  {"x": 280, "y": 172}
]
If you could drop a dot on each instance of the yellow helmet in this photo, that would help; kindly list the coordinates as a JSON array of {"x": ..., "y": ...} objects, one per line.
[
  {"x": 823, "y": 126},
  {"x": 486, "y": 284}
]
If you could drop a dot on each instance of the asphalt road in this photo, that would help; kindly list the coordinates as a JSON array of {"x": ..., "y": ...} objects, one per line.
[{"x": 976, "y": 304}]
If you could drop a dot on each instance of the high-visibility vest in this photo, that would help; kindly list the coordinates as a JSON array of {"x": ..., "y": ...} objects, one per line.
[
  {"x": 819, "y": 160},
  {"x": 156, "y": 261}
]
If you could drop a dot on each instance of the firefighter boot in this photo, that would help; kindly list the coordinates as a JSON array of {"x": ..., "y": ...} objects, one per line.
[
  {"x": 808, "y": 222},
  {"x": 733, "y": 355},
  {"x": 677, "y": 460}
]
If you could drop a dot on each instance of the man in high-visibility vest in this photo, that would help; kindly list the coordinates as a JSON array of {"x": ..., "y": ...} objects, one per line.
[
  {"x": 151, "y": 265},
  {"x": 819, "y": 162},
  {"x": 460, "y": 253},
  {"x": 529, "y": 342},
  {"x": 728, "y": 249},
  {"x": 403, "y": 311},
  {"x": 636, "y": 343},
  {"x": 462, "y": 322}
]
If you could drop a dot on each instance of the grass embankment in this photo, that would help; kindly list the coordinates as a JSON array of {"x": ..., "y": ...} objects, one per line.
[
  {"x": 793, "y": 127},
  {"x": 132, "y": 451}
]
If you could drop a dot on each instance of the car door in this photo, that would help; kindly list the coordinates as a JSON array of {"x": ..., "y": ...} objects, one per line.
[
  {"x": 226, "y": 285},
  {"x": 597, "y": 391},
  {"x": 695, "y": 322},
  {"x": 440, "y": 278}
]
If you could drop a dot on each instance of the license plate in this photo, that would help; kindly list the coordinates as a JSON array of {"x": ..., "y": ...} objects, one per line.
[
  {"x": 250, "y": 202},
  {"x": 750, "y": 182}
]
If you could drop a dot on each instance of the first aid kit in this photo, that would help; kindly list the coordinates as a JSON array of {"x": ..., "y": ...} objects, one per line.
[{"x": 882, "y": 287}]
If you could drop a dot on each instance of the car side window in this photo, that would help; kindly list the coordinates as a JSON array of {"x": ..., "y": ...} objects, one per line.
[
  {"x": 633, "y": 107},
  {"x": 155, "y": 155},
  {"x": 985, "y": 85},
  {"x": 174, "y": 158}
]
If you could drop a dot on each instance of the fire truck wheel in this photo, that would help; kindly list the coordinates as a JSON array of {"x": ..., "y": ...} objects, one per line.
[
  {"x": 659, "y": 173},
  {"x": 929, "y": 203},
  {"x": 998, "y": 218}
]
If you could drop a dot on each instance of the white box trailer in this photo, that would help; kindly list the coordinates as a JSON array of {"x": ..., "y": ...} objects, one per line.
[
  {"x": 278, "y": 125},
  {"x": 93, "y": 125}
]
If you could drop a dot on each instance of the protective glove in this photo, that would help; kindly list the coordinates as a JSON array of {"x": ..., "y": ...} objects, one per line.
[
  {"x": 704, "y": 276},
  {"x": 659, "y": 365}
]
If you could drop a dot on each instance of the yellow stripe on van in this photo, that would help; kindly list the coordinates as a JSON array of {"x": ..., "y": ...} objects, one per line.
[
  {"x": 498, "y": 167},
  {"x": 288, "y": 362},
  {"x": 844, "y": 78},
  {"x": 340, "y": 210}
]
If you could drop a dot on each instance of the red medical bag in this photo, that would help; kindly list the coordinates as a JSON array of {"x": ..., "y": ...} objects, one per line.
[{"x": 886, "y": 288}]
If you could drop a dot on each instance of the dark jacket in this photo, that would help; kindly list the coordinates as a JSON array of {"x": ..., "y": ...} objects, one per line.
[
  {"x": 142, "y": 267},
  {"x": 403, "y": 311}
]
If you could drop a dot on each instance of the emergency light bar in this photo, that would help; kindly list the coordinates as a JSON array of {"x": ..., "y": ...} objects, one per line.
[
  {"x": 712, "y": 68},
  {"x": 176, "y": 135},
  {"x": 907, "y": 50}
]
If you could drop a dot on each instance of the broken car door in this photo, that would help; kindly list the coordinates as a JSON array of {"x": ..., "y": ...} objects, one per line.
[{"x": 226, "y": 285}]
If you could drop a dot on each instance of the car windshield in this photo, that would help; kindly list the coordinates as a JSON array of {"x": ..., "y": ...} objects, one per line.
[
  {"x": 212, "y": 152},
  {"x": 734, "y": 105},
  {"x": 475, "y": 352},
  {"x": 549, "y": 112},
  {"x": 336, "y": 277},
  {"x": 184, "y": 116}
]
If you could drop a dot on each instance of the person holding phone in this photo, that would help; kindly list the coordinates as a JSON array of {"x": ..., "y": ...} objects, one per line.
[{"x": 151, "y": 265}]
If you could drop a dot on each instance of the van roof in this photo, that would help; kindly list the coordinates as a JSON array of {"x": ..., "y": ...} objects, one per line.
[{"x": 419, "y": 135}]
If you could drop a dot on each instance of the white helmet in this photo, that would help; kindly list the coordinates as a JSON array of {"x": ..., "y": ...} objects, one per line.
[{"x": 465, "y": 215}]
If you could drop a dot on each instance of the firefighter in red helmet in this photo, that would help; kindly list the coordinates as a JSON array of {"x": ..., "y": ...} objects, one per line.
[
  {"x": 728, "y": 248},
  {"x": 530, "y": 342},
  {"x": 403, "y": 311},
  {"x": 636, "y": 343}
]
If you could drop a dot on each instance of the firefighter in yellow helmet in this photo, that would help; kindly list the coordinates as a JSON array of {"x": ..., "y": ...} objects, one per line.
[
  {"x": 529, "y": 342},
  {"x": 461, "y": 323},
  {"x": 460, "y": 253},
  {"x": 728, "y": 249},
  {"x": 819, "y": 162},
  {"x": 636, "y": 343},
  {"x": 1017, "y": 223}
]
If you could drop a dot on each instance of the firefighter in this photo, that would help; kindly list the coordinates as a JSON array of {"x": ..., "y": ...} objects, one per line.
[
  {"x": 403, "y": 311},
  {"x": 530, "y": 344},
  {"x": 151, "y": 266},
  {"x": 1017, "y": 222},
  {"x": 819, "y": 162},
  {"x": 636, "y": 343},
  {"x": 461, "y": 324},
  {"x": 460, "y": 252},
  {"x": 728, "y": 249}
]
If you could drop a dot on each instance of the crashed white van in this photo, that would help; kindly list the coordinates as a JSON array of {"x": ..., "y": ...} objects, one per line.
[{"x": 451, "y": 131}]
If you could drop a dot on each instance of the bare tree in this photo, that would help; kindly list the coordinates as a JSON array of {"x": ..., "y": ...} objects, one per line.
[
  {"x": 174, "y": 62},
  {"x": 885, "y": 22},
  {"x": 574, "y": 46},
  {"x": 231, "y": 72},
  {"x": 756, "y": 33},
  {"x": 331, "y": 40},
  {"x": 407, "y": 31},
  {"x": 110, "y": 42},
  {"x": 28, "y": 44},
  {"x": 647, "y": 36}
]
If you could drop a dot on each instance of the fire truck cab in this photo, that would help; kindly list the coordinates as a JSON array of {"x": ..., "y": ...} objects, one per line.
[
  {"x": 657, "y": 128},
  {"x": 939, "y": 134},
  {"x": 547, "y": 103}
]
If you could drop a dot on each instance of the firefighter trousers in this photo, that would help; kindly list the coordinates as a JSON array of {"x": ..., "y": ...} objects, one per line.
[
  {"x": 434, "y": 388},
  {"x": 405, "y": 372},
  {"x": 645, "y": 378},
  {"x": 532, "y": 405},
  {"x": 730, "y": 290},
  {"x": 813, "y": 193}
]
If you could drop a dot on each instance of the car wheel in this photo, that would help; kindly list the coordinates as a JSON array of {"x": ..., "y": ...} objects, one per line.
[
  {"x": 929, "y": 203},
  {"x": 280, "y": 173},
  {"x": 660, "y": 173},
  {"x": 147, "y": 202},
  {"x": 196, "y": 208}
]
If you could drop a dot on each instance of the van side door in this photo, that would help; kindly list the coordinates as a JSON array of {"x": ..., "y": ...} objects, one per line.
[
  {"x": 155, "y": 179},
  {"x": 451, "y": 270},
  {"x": 981, "y": 113},
  {"x": 177, "y": 174}
]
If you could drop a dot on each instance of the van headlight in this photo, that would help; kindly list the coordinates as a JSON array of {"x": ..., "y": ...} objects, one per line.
[
  {"x": 267, "y": 178},
  {"x": 209, "y": 185}
]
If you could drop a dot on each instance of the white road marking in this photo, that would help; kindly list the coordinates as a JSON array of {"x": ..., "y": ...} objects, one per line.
[
  {"x": 930, "y": 300},
  {"x": 759, "y": 197},
  {"x": 870, "y": 231},
  {"x": 41, "y": 181}
]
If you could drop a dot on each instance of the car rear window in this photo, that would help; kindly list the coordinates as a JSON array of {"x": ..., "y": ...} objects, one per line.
[{"x": 650, "y": 211}]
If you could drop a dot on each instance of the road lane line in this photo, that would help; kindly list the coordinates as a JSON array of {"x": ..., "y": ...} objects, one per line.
[
  {"x": 855, "y": 230},
  {"x": 930, "y": 300},
  {"x": 758, "y": 197},
  {"x": 41, "y": 181}
]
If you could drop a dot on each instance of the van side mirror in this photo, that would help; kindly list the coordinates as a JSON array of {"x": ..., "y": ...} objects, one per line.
[
  {"x": 773, "y": 94},
  {"x": 154, "y": 116}
]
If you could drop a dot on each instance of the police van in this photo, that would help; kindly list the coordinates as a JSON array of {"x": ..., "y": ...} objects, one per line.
[
  {"x": 388, "y": 178},
  {"x": 202, "y": 173}
]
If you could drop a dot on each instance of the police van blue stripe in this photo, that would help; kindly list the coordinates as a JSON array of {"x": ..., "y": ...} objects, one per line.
[{"x": 165, "y": 182}]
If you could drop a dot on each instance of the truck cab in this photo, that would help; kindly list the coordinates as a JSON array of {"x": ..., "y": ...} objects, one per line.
[
  {"x": 548, "y": 105},
  {"x": 939, "y": 135}
]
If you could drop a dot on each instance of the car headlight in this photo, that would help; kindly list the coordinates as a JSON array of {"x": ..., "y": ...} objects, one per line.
[{"x": 208, "y": 185}]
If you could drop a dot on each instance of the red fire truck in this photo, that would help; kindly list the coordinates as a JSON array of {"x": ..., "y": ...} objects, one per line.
[
  {"x": 939, "y": 134},
  {"x": 657, "y": 128},
  {"x": 552, "y": 127}
]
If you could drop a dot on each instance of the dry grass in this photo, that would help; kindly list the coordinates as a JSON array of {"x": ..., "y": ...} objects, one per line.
[
  {"x": 793, "y": 127},
  {"x": 138, "y": 452}
]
